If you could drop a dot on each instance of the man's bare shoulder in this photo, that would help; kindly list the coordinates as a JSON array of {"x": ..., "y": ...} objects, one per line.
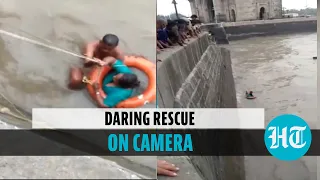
[
  {"x": 94, "y": 43},
  {"x": 118, "y": 53},
  {"x": 117, "y": 50}
]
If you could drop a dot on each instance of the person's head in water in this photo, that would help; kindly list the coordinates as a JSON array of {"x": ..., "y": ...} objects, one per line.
[
  {"x": 127, "y": 81},
  {"x": 109, "y": 42}
]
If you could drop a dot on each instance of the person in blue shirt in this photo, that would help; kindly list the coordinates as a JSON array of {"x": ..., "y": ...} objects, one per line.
[
  {"x": 162, "y": 34},
  {"x": 118, "y": 84}
]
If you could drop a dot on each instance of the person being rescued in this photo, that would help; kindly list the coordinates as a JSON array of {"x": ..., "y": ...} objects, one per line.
[
  {"x": 249, "y": 95},
  {"x": 118, "y": 84}
]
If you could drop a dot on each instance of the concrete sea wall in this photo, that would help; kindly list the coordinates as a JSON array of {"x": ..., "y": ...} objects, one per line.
[
  {"x": 246, "y": 29},
  {"x": 199, "y": 77},
  {"x": 175, "y": 67},
  {"x": 210, "y": 84}
]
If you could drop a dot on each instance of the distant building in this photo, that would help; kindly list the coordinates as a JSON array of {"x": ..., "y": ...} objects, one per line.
[{"x": 236, "y": 10}]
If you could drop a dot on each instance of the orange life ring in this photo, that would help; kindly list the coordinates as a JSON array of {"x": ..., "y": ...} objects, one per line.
[{"x": 98, "y": 73}]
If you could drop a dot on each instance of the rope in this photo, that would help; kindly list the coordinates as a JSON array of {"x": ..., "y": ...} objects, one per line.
[
  {"x": 7, "y": 111},
  {"x": 15, "y": 108},
  {"x": 28, "y": 33},
  {"x": 45, "y": 45},
  {"x": 48, "y": 41}
]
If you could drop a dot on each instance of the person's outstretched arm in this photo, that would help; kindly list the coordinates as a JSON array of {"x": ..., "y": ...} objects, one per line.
[
  {"x": 159, "y": 45},
  {"x": 108, "y": 61},
  {"x": 116, "y": 65}
]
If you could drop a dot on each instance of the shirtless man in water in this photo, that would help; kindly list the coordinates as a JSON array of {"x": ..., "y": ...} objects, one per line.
[{"x": 107, "y": 46}]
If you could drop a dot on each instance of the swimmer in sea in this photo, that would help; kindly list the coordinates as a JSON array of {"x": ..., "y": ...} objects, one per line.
[
  {"x": 118, "y": 84},
  {"x": 249, "y": 95},
  {"x": 107, "y": 46}
]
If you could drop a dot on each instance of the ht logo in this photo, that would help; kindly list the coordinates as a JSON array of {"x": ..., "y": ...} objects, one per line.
[
  {"x": 295, "y": 137},
  {"x": 287, "y": 137}
]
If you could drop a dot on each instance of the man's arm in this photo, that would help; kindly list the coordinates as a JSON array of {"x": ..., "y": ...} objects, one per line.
[
  {"x": 89, "y": 53},
  {"x": 117, "y": 65},
  {"x": 108, "y": 61},
  {"x": 170, "y": 42},
  {"x": 159, "y": 45},
  {"x": 163, "y": 44},
  {"x": 119, "y": 54},
  {"x": 90, "y": 48}
]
